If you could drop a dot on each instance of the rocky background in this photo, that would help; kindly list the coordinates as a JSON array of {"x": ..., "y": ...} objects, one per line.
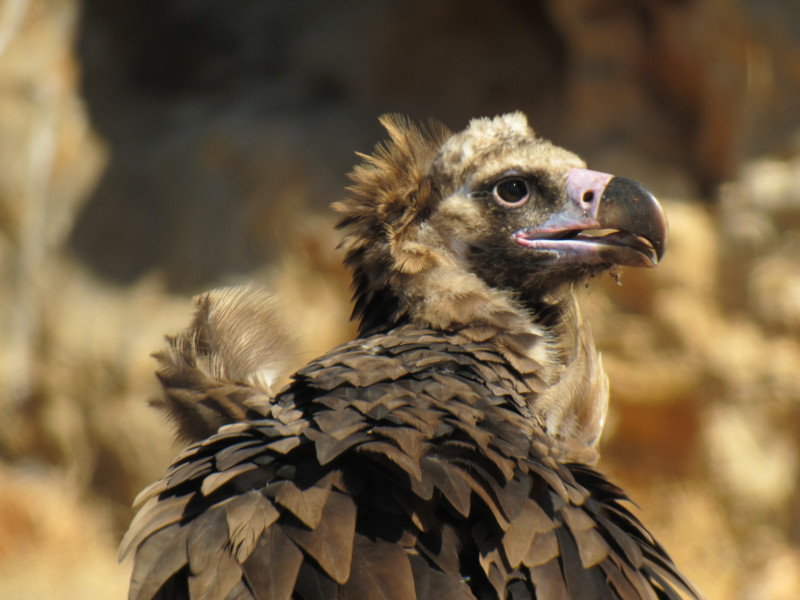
[{"x": 150, "y": 149}]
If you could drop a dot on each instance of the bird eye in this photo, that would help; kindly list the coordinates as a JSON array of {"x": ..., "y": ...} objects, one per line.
[{"x": 512, "y": 192}]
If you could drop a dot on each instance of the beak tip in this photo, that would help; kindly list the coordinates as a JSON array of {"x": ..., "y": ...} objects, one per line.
[{"x": 631, "y": 205}]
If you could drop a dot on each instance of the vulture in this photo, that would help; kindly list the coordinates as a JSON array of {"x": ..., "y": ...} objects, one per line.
[{"x": 447, "y": 451}]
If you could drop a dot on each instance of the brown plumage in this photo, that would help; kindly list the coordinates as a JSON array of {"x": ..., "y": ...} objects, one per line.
[
  {"x": 444, "y": 453},
  {"x": 236, "y": 338}
]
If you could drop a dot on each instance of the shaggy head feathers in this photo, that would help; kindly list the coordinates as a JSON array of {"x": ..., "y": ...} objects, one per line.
[
  {"x": 391, "y": 192},
  {"x": 409, "y": 263}
]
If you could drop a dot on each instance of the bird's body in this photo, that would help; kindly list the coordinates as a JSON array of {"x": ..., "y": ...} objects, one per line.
[{"x": 446, "y": 451}]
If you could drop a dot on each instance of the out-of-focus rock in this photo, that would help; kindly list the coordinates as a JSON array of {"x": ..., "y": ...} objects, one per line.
[
  {"x": 55, "y": 543},
  {"x": 755, "y": 464}
]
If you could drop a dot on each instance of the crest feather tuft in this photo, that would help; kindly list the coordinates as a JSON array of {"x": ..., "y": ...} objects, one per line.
[{"x": 391, "y": 191}]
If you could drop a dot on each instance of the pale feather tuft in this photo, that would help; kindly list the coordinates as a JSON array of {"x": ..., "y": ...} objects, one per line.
[
  {"x": 241, "y": 336},
  {"x": 228, "y": 364},
  {"x": 483, "y": 133}
]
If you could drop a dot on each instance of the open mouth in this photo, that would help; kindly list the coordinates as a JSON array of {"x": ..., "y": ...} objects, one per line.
[{"x": 592, "y": 246}]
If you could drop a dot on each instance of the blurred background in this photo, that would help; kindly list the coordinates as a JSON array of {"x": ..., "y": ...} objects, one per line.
[{"x": 151, "y": 149}]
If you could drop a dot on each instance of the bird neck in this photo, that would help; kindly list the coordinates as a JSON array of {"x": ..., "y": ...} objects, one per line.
[{"x": 574, "y": 405}]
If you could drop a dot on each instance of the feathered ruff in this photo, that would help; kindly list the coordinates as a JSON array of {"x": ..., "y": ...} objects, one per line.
[
  {"x": 228, "y": 363},
  {"x": 392, "y": 192}
]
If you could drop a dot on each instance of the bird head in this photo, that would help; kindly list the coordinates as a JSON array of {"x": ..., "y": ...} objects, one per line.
[{"x": 448, "y": 228}]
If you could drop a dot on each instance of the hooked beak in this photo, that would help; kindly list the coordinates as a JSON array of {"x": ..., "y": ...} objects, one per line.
[{"x": 607, "y": 219}]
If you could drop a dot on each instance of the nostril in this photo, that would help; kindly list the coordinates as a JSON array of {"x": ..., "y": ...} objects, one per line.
[{"x": 588, "y": 197}]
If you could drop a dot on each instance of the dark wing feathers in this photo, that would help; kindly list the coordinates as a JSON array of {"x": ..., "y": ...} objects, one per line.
[
  {"x": 271, "y": 570},
  {"x": 381, "y": 571},
  {"x": 248, "y": 516},
  {"x": 427, "y": 483},
  {"x": 158, "y": 558}
]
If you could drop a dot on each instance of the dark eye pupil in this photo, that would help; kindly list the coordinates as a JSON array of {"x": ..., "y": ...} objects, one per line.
[{"x": 513, "y": 190}]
